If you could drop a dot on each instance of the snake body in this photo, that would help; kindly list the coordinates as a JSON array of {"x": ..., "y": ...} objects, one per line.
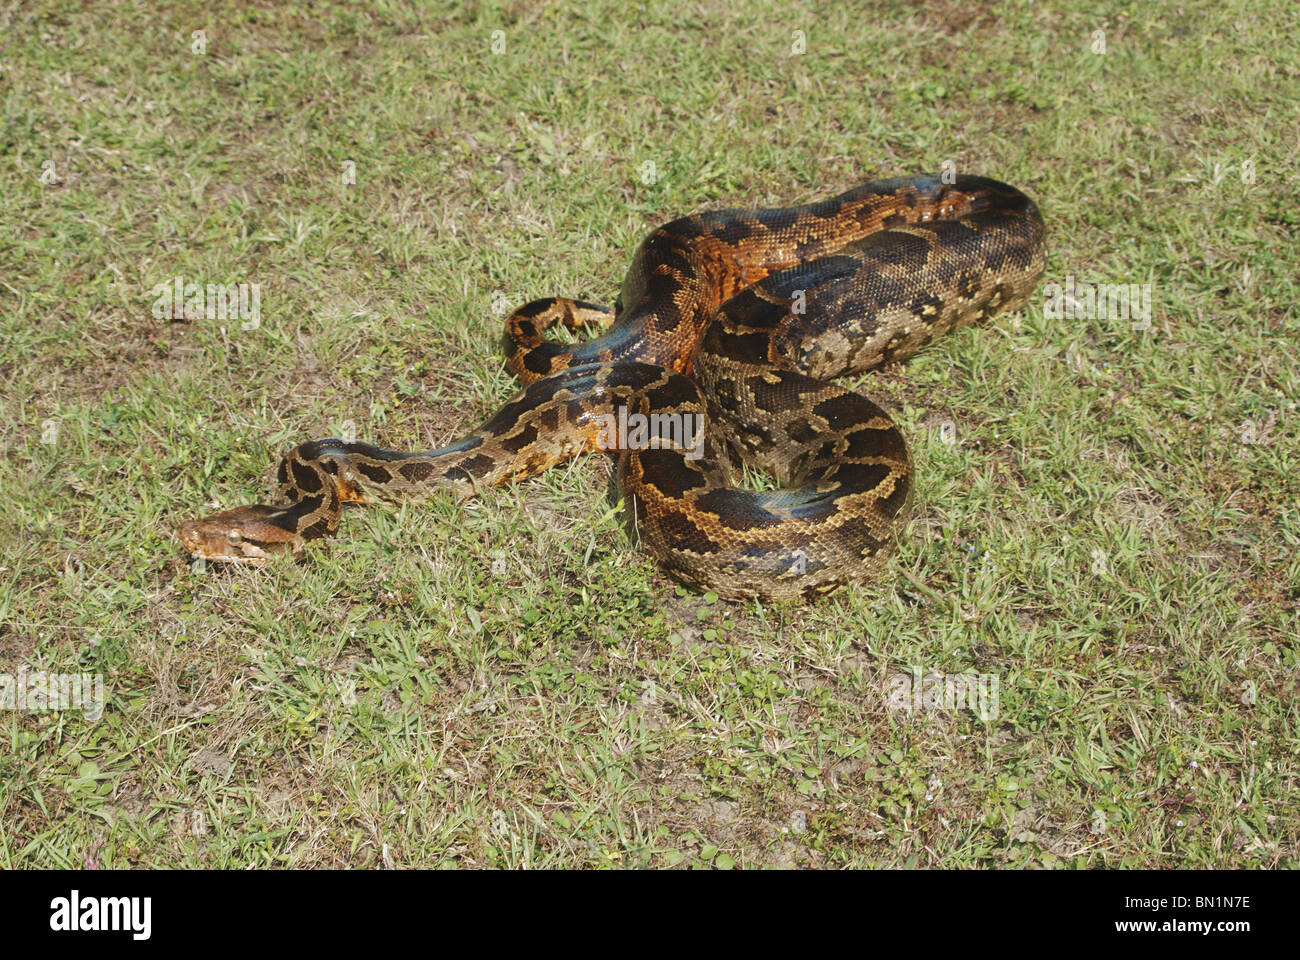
[{"x": 733, "y": 322}]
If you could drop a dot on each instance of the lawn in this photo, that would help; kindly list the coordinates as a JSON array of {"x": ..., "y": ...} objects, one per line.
[{"x": 1107, "y": 511}]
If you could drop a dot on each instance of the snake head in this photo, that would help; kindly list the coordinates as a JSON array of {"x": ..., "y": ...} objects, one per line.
[{"x": 241, "y": 535}]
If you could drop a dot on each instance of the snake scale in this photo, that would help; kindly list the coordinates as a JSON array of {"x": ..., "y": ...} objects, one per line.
[{"x": 733, "y": 322}]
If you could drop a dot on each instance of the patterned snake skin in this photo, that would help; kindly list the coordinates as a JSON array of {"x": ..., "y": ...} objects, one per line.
[{"x": 729, "y": 327}]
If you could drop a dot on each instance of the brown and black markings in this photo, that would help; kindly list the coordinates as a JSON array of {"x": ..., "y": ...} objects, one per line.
[{"x": 742, "y": 318}]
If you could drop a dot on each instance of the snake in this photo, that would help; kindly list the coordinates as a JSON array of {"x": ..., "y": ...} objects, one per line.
[{"x": 721, "y": 350}]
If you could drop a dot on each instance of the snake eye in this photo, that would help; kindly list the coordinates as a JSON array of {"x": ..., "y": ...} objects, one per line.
[{"x": 234, "y": 536}]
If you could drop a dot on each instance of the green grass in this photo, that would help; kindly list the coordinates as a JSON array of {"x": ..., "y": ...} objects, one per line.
[{"x": 511, "y": 682}]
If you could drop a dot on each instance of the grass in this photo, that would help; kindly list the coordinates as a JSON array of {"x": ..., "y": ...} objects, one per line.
[{"x": 1106, "y": 519}]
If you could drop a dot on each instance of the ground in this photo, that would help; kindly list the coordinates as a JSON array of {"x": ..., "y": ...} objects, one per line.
[{"x": 1106, "y": 519}]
